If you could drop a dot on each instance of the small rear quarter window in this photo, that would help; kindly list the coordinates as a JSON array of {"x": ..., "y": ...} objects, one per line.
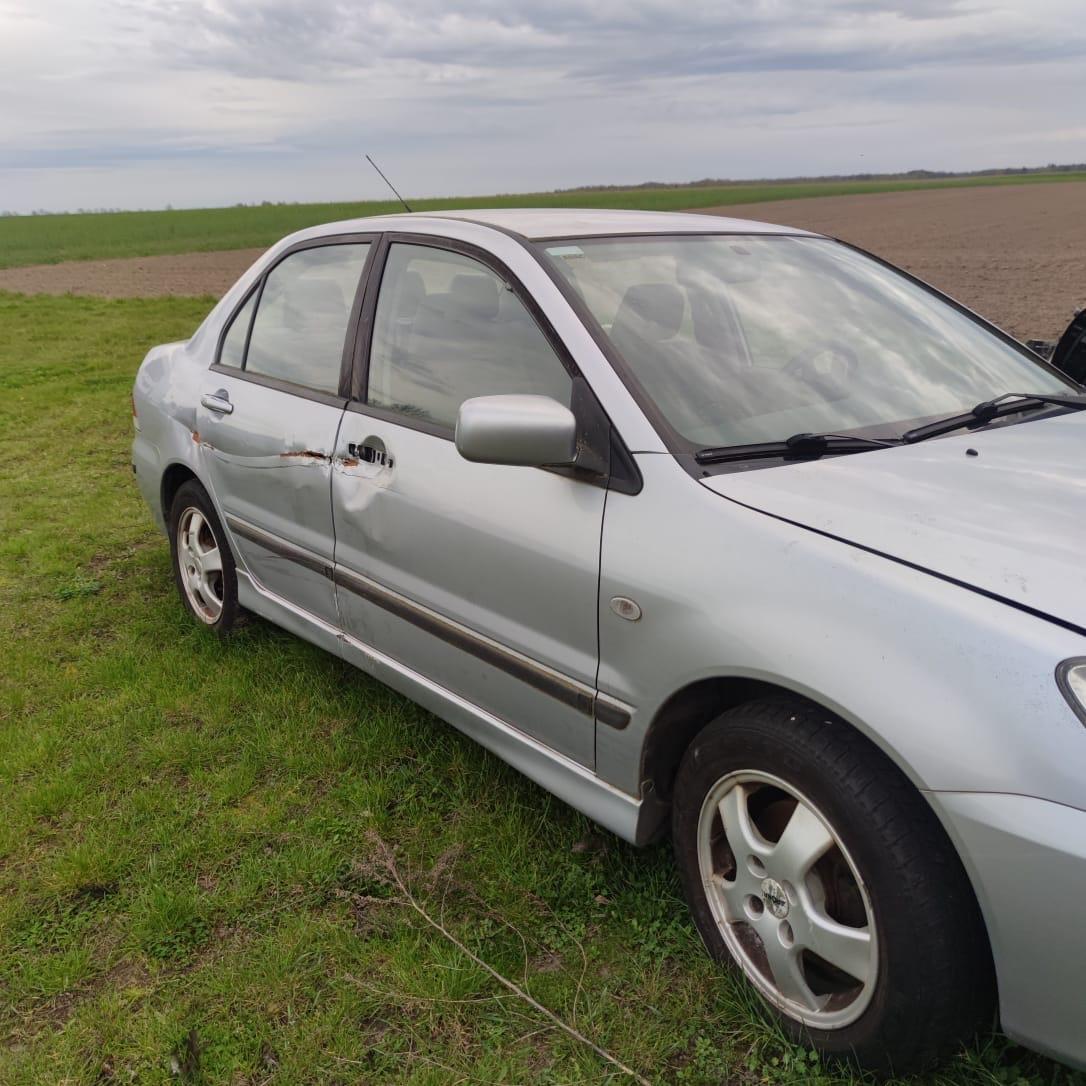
[{"x": 233, "y": 344}]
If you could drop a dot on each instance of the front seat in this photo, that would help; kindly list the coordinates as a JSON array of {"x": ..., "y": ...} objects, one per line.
[{"x": 648, "y": 318}]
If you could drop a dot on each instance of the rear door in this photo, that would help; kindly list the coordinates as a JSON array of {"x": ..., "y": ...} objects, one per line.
[
  {"x": 483, "y": 578},
  {"x": 269, "y": 413}
]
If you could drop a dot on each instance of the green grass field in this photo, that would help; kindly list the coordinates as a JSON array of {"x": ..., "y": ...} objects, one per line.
[
  {"x": 46, "y": 239},
  {"x": 193, "y": 876}
]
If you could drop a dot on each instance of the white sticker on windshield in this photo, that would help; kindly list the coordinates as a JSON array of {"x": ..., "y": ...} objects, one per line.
[{"x": 566, "y": 251}]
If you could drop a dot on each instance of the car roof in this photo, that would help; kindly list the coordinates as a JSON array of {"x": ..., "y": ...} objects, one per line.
[
  {"x": 556, "y": 222},
  {"x": 535, "y": 223}
]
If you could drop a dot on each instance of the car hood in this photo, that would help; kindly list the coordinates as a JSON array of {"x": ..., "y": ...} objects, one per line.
[{"x": 1009, "y": 520}]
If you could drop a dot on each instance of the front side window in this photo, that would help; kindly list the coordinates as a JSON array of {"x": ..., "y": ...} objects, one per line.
[
  {"x": 741, "y": 340},
  {"x": 447, "y": 328},
  {"x": 302, "y": 316}
]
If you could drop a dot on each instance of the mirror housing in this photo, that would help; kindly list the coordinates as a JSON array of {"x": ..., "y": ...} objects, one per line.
[{"x": 531, "y": 431}]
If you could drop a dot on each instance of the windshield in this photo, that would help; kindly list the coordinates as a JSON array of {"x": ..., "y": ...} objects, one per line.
[{"x": 738, "y": 340}]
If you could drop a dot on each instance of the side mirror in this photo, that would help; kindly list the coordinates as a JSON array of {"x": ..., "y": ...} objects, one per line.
[{"x": 533, "y": 431}]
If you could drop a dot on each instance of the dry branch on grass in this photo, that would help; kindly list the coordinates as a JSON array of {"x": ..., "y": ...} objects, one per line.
[{"x": 385, "y": 869}]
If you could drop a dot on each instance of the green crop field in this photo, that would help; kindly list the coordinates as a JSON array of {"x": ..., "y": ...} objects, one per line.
[
  {"x": 47, "y": 239},
  {"x": 224, "y": 862}
]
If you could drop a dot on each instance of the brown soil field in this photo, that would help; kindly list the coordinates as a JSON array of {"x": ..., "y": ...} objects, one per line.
[
  {"x": 1016, "y": 254},
  {"x": 194, "y": 274}
]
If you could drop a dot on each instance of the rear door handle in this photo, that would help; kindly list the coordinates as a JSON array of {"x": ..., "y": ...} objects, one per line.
[{"x": 218, "y": 401}]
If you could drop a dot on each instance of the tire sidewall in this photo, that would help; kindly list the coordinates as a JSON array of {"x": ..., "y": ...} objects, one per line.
[
  {"x": 740, "y": 747},
  {"x": 192, "y": 495}
]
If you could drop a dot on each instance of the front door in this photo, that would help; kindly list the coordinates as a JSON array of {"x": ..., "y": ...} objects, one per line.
[
  {"x": 482, "y": 577},
  {"x": 270, "y": 410}
]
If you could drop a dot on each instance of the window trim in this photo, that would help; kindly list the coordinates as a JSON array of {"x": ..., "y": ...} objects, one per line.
[
  {"x": 252, "y": 294},
  {"x": 335, "y": 399},
  {"x": 360, "y": 383},
  {"x": 622, "y": 473}
]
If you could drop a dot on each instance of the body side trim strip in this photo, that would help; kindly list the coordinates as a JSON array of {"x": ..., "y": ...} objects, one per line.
[
  {"x": 577, "y": 695},
  {"x": 618, "y": 810},
  {"x": 569, "y": 691},
  {"x": 494, "y": 722},
  {"x": 279, "y": 546},
  {"x": 612, "y": 712}
]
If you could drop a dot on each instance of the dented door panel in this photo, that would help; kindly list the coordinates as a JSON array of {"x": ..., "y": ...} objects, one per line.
[
  {"x": 269, "y": 462},
  {"x": 482, "y": 577}
]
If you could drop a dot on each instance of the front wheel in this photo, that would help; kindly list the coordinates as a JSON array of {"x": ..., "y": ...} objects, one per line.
[
  {"x": 203, "y": 565},
  {"x": 813, "y": 867}
]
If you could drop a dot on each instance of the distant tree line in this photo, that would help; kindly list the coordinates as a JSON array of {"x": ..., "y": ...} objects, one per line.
[
  {"x": 906, "y": 175},
  {"x": 705, "y": 182}
]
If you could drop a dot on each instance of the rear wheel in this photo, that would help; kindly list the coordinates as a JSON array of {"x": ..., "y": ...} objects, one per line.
[
  {"x": 813, "y": 867},
  {"x": 203, "y": 566}
]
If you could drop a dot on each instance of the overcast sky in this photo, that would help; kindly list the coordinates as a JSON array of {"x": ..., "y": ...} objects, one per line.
[{"x": 143, "y": 103}]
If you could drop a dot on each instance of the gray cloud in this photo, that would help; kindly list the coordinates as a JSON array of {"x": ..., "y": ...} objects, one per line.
[
  {"x": 211, "y": 101},
  {"x": 635, "y": 40}
]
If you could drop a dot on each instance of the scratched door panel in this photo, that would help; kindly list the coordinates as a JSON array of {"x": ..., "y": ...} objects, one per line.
[{"x": 269, "y": 463}]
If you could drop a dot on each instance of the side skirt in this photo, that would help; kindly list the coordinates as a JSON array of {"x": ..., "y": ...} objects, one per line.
[{"x": 612, "y": 808}]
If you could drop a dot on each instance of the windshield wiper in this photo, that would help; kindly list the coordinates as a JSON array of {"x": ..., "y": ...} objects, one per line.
[
  {"x": 797, "y": 447},
  {"x": 1007, "y": 404}
]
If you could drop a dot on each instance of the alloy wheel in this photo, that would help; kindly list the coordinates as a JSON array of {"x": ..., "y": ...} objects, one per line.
[
  {"x": 788, "y": 900},
  {"x": 200, "y": 562}
]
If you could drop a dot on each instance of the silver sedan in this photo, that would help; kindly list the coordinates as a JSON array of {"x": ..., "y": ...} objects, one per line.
[{"x": 709, "y": 527}]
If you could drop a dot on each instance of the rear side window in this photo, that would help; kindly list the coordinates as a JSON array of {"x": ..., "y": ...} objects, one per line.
[
  {"x": 302, "y": 316},
  {"x": 233, "y": 344},
  {"x": 447, "y": 328}
]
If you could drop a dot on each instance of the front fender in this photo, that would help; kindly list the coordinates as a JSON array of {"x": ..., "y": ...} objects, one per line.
[{"x": 956, "y": 688}]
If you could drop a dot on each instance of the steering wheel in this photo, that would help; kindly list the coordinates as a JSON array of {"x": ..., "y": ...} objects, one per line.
[{"x": 834, "y": 376}]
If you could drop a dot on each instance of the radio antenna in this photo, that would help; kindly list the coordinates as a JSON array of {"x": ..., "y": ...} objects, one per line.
[{"x": 387, "y": 182}]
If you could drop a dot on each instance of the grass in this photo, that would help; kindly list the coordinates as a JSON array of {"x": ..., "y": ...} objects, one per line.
[
  {"x": 191, "y": 879},
  {"x": 46, "y": 239}
]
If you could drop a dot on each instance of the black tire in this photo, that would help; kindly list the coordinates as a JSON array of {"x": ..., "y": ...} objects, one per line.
[
  {"x": 191, "y": 496},
  {"x": 933, "y": 985}
]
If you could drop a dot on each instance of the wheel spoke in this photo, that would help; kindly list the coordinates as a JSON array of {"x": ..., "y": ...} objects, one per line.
[
  {"x": 804, "y": 841},
  {"x": 786, "y": 965},
  {"x": 743, "y": 839},
  {"x": 847, "y": 948},
  {"x": 207, "y": 593},
  {"x": 731, "y": 895},
  {"x": 208, "y": 590},
  {"x": 212, "y": 560},
  {"x": 197, "y": 528},
  {"x": 196, "y": 524}
]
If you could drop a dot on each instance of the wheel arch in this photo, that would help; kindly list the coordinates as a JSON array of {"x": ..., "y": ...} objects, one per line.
[
  {"x": 690, "y": 709},
  {"x": 682, "y": 716},
  {"x": 173, "y": 478}
]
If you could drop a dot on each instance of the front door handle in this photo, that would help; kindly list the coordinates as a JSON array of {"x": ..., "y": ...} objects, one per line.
[
  {"x": 369, "y": 454},
  {"x": 218, "y": 401}
]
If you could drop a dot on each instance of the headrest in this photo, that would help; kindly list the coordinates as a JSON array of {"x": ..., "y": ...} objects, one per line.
[
  {"x": 652, "y": 310},
  {"x": 478, "y": 294},
  {"x": 411, "y": 292}
]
